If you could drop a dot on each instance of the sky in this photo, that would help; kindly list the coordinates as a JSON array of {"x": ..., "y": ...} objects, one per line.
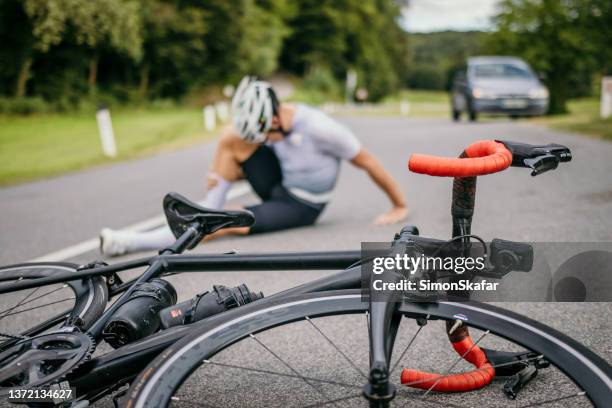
[{"x": 439, "y": 15}]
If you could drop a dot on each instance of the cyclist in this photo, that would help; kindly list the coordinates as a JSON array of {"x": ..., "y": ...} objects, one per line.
[{"x": 290, "y": 154}]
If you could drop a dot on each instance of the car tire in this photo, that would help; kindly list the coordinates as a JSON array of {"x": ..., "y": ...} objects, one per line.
[
  {"x": 456, "y": 115},
  {"x": 473, "y": 115}
]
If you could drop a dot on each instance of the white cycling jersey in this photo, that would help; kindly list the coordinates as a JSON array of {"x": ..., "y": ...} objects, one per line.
[{"x": 310, "y": 155}]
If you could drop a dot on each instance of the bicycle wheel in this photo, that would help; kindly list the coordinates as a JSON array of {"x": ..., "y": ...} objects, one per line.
[
  {"x": 29, "y": 312},
  {"x": 312, "y": 350}
]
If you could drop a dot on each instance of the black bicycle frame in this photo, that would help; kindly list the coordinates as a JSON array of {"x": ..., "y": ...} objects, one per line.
[
  {"x": 98, "y": 375},
  {"x": 95, "y": 377}
]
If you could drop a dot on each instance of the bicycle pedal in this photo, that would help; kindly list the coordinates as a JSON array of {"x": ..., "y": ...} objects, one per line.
[{"x": 518, "y": 381}]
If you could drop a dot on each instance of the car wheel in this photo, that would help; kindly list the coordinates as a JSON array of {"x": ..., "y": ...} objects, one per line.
[
  {"x": 456, "y": 115},
  {"x": 473, "y": 115}
]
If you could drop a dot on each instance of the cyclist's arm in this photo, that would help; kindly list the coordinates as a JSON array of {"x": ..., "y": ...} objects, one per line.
[{"x": 366, "y": 161}]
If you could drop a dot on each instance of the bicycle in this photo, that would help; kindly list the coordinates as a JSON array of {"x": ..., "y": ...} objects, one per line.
[{"x": 160, "y": 345}]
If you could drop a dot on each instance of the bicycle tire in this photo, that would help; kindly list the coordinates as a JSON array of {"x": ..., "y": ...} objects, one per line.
[
  {"x": 164, "y": 375},
  {"x": 91, "y": 295}
]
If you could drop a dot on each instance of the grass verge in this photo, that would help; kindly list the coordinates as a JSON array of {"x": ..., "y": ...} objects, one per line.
[
  {"x": 583, "y": 117},
  {"x": 39, "y": 146}
]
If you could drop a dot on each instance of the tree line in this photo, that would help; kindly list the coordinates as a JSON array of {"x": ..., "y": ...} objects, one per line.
[
  {"x": 65, "y": 51},
  {"x": 69, "y": 52}
]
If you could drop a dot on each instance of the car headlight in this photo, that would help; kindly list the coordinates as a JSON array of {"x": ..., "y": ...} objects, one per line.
[
  {"x": 538, "y": 93},
  {"x": 480, "y": 93}
]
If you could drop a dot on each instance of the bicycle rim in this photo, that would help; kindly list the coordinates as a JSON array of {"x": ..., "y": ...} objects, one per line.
[
  {"x": 29, "y": 312},
  {"x": 176, "y": 377}
]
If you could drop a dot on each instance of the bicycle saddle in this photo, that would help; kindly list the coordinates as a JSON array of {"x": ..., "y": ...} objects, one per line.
[{"x": 181, "y": 213}]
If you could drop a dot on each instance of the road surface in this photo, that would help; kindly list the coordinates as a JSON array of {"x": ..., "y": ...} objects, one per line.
[{"x": 571, "y": 204}]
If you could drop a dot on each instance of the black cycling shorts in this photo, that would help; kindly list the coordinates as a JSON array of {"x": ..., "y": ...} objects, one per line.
[{"x": 279, "y": 209}]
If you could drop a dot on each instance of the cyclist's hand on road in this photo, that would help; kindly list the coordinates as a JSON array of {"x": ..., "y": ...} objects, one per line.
[{"x": 393, "y": 216}]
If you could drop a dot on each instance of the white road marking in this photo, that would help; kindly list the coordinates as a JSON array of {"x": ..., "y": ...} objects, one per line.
[{"x": 238, "y": 190}]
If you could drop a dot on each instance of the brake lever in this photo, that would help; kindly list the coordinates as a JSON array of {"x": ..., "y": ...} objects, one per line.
[
  {"x": 538, "y": 158},
  {"x": 541, "y": 164}
]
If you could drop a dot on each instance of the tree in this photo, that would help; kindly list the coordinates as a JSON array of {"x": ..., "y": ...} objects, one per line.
[
  {"x": 112, "y": 23},
  {"x": 263, "y": 31},
  {"x": 335, "y": 35},
  {"x": 43, "y": 24},
  {"x": 557, "y": 38},
  {"x": 174, "y": 46}
]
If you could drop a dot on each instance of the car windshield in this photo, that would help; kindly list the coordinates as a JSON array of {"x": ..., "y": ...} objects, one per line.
[{"x": 501, "y": 70}]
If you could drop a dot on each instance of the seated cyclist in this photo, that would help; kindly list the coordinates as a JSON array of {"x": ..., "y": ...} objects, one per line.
[{"x": 290, "y": 154}]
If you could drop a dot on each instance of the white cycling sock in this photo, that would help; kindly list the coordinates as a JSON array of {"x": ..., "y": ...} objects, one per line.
[
  {"x": 156, "y": 239},
  {"x": 215, "y": 197}
]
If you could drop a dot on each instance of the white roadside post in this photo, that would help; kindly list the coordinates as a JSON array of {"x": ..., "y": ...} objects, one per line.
[
  {"x": 404, "y": 107},
  {"x": 210, "y": 120},
  {"x": 107, "y": 136},
  {"x": 606, "y": 97},
  {"x": 222, "y": 111},
  {"x": 351, "y": 84}
]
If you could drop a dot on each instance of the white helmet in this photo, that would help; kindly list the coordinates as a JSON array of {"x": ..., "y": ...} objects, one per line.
[{"x": 253, "y": 106}]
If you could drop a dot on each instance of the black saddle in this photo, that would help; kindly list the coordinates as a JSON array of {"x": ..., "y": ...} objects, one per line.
[{"x": 181, "y": 213}]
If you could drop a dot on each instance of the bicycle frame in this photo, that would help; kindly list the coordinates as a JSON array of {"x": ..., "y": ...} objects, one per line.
[{"x": 95, "y": 377}]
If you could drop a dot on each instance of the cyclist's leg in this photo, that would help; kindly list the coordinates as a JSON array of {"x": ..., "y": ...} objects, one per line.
[
  {"x": 281, "y": 212},
  {"x": 117, "y": 242},
  {"x": 225, "y": 169}
]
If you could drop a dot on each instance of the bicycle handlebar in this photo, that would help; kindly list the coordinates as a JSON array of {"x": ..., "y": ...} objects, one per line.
[
  {"x": 491, "y": 156},
  {"x": 482, "y": 157}
]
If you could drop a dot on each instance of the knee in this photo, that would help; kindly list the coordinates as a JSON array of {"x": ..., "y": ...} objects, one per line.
[{"x": 229, "y": 139}]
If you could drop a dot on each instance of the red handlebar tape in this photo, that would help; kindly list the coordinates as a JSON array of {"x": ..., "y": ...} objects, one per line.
[
  {"x": 483, "y": 157},
  {"x": 469, "y": 381}
]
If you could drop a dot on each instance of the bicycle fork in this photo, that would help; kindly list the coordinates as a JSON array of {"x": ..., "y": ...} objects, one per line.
[{"x": 383, "y": 328}]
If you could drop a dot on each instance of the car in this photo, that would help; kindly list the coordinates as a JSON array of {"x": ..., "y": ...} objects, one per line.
[{"x": 497, "y": 85}]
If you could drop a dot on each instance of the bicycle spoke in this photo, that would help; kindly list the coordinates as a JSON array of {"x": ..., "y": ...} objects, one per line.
[
  {"x": 36, "y": 298},
  {"x": 336, "y": 347},
  {"x": 550, "y": 401},
  {"x": 20, "y": 302},
  {"x": 256, "y": 370},
  {"x": 457, "y": 362},
  {"x": 407, "y": 347},
  {"x": 320, "y": 404},
  {"x": 38, "y": 307},
  {"x": 367, "y": 315},
  {"x": 288, "y": 366}
]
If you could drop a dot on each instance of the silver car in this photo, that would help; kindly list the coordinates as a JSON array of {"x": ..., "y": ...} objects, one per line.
[{"x": 498, "y": 85}]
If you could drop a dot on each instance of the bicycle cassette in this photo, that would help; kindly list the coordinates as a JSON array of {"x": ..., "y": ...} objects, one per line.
[{"x": 43, "y": 359}]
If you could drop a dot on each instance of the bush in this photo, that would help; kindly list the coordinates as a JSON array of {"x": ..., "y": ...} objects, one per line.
[
  {"x": 317, "y": 87},
  {"x": 23, "y": 106},
  {"x": 321, "y": 79},
  {"x": 422, "y": 76}
]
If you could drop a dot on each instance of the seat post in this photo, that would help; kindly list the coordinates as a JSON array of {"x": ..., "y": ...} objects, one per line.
[{"x": 184, "y": 241}]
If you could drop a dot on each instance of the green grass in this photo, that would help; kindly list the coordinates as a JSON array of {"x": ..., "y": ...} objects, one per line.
[
  {"x": 583, "y": 117},
  {"x": 424, "y": 103},
  {"x": 40, "y": 146},
  {"x": 421, "y": 104}
]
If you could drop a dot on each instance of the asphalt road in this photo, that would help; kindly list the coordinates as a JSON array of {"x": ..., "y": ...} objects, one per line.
[{"x": 571, "y": 204}]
